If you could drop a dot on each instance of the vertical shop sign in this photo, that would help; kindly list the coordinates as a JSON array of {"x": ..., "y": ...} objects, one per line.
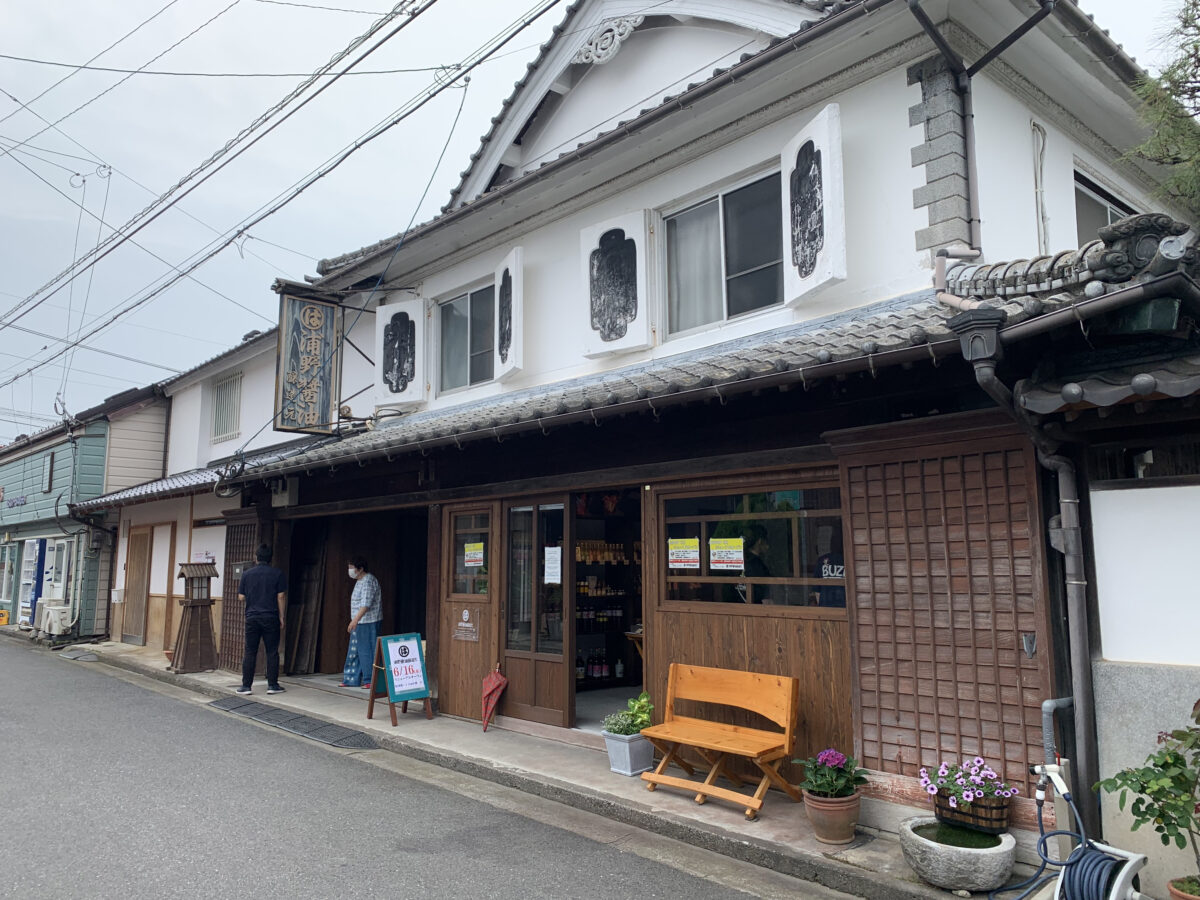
[{"x": 308, "y": 370}]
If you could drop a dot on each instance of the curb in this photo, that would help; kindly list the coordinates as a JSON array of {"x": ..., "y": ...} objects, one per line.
[{"x": 803, "y": 865}]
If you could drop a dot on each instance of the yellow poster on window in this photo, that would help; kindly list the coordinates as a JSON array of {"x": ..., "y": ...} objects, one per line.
[{"x": 726, "y": 554}]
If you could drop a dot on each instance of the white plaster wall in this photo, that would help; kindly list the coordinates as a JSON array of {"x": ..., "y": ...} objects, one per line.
[
  {"x": 256, "y": 413},
  {"x": 880, "y": 219},
  {"x": 358, "y": 378},
  {"x": 1146, "y": 590},
  {"x": 182, "y": 511},
  {"x": 184, "y": 424},
  {"x": 658, "y": 61},
  {"x": 1005, "y": 152},
  {"x": 160, "y": 560}
]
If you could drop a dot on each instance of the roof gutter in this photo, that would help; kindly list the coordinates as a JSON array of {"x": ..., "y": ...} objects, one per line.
[{"x": 679, "y": 104}]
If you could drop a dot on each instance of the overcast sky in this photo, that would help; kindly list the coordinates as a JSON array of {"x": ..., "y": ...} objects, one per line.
[{"x": 153, "y": 129}]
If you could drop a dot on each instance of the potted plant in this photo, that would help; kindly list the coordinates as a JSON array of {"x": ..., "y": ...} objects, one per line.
[
  {"x": 1166, "y": 793},
  {"x": 970, "y": 795},
  {"x": 831, "y": 797},
  {"x": 628, "y": 752}
]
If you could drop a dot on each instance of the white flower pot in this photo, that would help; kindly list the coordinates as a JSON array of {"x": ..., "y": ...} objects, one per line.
[{"x": 628, "y": 754}]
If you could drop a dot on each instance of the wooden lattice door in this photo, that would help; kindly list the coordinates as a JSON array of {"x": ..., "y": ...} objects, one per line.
[
  {"x": 948, "y": 602},
  {"x": 240, "y": 542}
]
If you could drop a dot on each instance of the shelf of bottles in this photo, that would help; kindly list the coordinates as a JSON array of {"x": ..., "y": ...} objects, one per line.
[{"x": 607, "y": 604}]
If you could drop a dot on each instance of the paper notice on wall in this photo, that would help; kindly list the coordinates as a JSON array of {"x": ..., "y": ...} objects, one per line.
[
  {"x": 203, "y": 556},
  {"x": 473, "y": 555},
  {"x": 683, "y": 553},
  {"x": 726, "y": 554},
  {"x": 553, "y": 565}
]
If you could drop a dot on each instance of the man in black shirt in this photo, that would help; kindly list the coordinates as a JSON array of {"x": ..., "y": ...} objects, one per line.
[{"x": 263, "y": 589}]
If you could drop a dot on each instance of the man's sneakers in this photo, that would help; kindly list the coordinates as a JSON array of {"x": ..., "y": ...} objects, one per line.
[
  {"x": 244, "y": 690},
  {"x": 275, "y": 689}
]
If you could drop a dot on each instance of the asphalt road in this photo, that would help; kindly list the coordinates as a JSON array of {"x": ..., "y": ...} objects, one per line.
[{"x": 116, "y": 786}]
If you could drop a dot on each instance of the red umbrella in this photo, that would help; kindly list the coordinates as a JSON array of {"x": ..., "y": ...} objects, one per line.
[{"x": 493, "y": 686}]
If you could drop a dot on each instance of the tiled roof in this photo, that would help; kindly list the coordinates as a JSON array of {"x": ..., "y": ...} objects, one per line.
[
  {"x": 1175, "y": 378},
  {"x": 183, "y": 483},
  {"x": 912, "y": 327}
]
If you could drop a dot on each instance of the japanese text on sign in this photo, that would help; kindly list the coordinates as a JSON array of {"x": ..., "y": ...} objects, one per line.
[
  {"x": 404, "y": 663},
  {"x": 473, "y": 555},
  {"x": 683, "y": 553},
  {"x": 726, "y": 554},
  {"x": 306, "y": 397}
]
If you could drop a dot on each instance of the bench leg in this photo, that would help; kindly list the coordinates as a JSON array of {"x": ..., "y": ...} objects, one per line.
[
  {"x": 719, "y": 760},
  {"x": 771, "y": 771},
  {"x": 670, "y": 753},
  {"x": 714, "y": 772}
]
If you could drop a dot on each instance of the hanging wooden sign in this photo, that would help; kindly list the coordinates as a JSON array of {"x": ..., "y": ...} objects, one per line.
[
  {"x": 308, "y": 366},
  {"x": 398, "y": 675}
]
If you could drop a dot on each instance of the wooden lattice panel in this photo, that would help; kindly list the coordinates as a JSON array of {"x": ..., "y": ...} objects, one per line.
[
  {"x": 240, "y": 544},
  {"x": 947, "y": 578}
]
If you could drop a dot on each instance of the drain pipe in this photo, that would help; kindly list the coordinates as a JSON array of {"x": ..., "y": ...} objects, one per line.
[{"x": 978, "y": 334}]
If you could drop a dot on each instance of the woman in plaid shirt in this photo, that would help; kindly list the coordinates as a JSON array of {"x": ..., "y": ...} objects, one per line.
[{"x": 366, "y": 612}]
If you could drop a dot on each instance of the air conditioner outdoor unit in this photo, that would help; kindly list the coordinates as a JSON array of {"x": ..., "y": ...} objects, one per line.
[
  {"x": 56, "y": 618},
  {"x": 39, "y": 616}
]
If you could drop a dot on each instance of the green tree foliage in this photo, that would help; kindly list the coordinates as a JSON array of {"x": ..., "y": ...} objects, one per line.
[{"x": 1171, "y": 103}]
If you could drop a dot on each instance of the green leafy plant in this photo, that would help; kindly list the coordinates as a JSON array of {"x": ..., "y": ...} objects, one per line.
[
  {"x": 831, "y": 774},
  {"x": 633, "y": 718},
  {"x": 1166, "y": 791},
  {"x": 972, "y": 779}
]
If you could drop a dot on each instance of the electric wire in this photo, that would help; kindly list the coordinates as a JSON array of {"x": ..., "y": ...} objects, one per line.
[
  {"x": 231, "y": 150},
  {"x": 145, "y": 249},
  {"x": 77, "y": 69},
  {"x": 107, "y": 177},
  {"x": 112, "y": 87},
  {"x": 101, "y": 351},
  {"x": 459, "y": 70},
  {"x": 171, "y": 74},
  {"x": 361, "y": 12},
  {"x": 327, "y": 361},
  {"x": 71, "y": 293}
]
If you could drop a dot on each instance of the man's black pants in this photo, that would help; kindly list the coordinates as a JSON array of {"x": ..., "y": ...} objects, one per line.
[{"x": 266, "y": 629}]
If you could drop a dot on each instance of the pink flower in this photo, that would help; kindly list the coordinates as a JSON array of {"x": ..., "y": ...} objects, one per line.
[
  {"x": 831, "y": 758},
  {"x": 931, "y": 789},
  {"x": 943, "y": 770},
  {"x": 953, "y": 802},
  {"x": 979, "y": 760},
  {"x": 924, "y": 773}
]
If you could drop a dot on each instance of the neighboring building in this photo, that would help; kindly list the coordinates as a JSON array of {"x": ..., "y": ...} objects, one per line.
[
  {"x": 55, "y": 568},
  {"x": 667, "y": 381}
]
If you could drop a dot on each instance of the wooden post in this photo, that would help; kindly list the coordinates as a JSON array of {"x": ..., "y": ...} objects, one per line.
[{"x": 378, "y": 681}]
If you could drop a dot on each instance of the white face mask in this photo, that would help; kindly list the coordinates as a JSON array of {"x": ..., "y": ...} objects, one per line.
[{"x": 352, "y": 572}]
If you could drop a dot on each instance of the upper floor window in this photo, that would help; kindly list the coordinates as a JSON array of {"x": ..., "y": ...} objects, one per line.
[
  {"x": 226, "y": 408},
  {"x": 468, "y": 338},
  {"x": 1095, "y": 207},
  {"x": 725, "y": 256}
]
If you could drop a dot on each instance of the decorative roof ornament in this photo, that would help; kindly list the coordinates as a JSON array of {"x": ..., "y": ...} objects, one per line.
[{"x": 607, "y": 40}]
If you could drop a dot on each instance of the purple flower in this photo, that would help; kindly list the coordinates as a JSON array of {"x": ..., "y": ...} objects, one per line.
[
  {"x": 979, "y": 760},
  {"x": 831, "y": 758},
  {"x": 976, "y": 779},
  {"x": 943, "y": 769},
  {"x": 932, "y": 789},
  {"x": 1013, "y": 791},
  {"x": 924, "y": 773},
  {"x": 960, "y": 780},
  {"x": 925, "y": 782},
  {"x": 953, "y": 802}
]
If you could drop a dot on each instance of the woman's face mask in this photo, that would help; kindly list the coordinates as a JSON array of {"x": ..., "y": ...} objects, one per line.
[{"x": 352, "y": 572}]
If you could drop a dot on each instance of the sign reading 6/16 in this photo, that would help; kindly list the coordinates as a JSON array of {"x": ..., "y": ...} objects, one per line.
[{"x": 405, "y": 665}]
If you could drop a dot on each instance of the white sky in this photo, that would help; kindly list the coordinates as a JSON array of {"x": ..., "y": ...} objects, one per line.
[{"x": 154, "y": 129}]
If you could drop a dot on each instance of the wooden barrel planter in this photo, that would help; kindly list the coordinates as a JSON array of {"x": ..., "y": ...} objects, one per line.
[{"x": 987, "y": 814}]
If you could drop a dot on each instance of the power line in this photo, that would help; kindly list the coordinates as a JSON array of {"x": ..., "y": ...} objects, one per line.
[
  {"x": 112, "y": 353},
  {"x": 119, "y": 40},
  {"x": 171, "y": 74},
  {"x": 361, "y": 12},
  {"x": 461, "y": 69},
  {"x": 149, "y": 214},
  {"x": 111, "y": 87},
  {"x": 165, "y": 262}
]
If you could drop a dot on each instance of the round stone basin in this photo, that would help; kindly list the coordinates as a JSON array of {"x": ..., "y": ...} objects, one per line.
[{"x": 957, "y": 868}]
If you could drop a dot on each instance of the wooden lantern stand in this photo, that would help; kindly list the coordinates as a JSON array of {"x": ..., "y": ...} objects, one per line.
[{"x": 195, "y": 647}]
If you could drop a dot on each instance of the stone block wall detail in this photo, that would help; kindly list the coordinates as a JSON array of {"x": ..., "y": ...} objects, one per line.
[{"x": 943, "y": 154}]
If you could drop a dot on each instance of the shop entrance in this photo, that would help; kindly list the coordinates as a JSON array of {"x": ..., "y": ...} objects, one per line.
[
  {"x": 607, "y": 602},
  {"x": 394, "y": 543},
  {"x": 572, "y": 606}
]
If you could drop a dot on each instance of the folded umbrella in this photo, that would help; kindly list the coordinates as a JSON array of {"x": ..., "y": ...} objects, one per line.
[{"x": 494, "y": 684}]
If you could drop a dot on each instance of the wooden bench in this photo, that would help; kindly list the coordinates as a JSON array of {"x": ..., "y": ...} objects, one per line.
[{"x": 774, "y": 697}]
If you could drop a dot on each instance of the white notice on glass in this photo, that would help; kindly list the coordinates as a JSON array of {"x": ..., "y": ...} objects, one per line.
[{"x": 553, "y": 565}]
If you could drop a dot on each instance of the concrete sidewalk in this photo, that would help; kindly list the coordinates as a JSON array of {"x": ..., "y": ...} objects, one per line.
[{"x": 573, "y": 771}]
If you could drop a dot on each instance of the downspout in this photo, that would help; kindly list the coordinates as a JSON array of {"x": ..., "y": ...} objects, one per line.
[{"x": 978, "y": 334}]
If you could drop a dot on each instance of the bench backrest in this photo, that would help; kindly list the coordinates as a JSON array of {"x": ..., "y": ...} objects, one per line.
[{"x": 774, "y": 697}]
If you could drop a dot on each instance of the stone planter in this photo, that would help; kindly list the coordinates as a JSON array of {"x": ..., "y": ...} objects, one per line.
[
  {"x": 832, "y": 818},
  {"x": 628, "y": 754},
  {"x": 956, "y": 868}
]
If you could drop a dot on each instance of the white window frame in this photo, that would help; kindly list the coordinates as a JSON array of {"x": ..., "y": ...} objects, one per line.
[
  {"x": 233, "y": 426},
  {"x": 437, "y": 310},
  {"x": 1118, "y": 207},
  {"x": 709, "y": 195}
]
